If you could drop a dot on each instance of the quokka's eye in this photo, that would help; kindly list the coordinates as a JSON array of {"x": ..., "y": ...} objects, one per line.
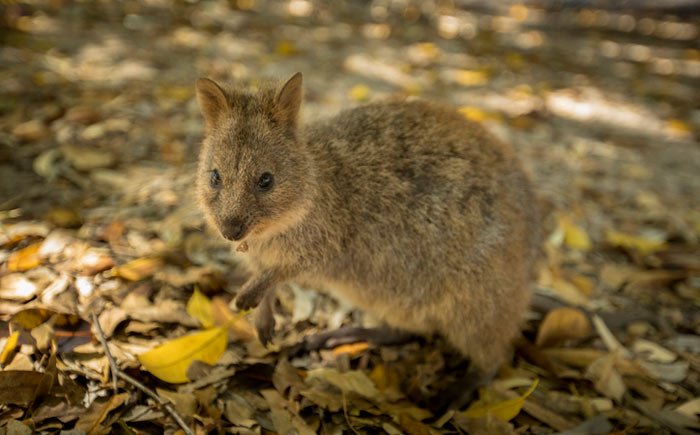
[
  {"x": 214, "y": 178},
  {"x": 265, "y": 181}
]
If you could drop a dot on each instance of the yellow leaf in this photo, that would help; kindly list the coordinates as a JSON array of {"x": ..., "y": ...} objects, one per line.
[
  {"x": 9, "y": 347},
  {"x": 475, "y": 114},
  {"x": 351, "y": 349},
  {"x": 170, "y": 360},
  {"x": 199, "y": 307},
  {"x": 24, "y": 259},
  {"x": 505, "y": 410},
  {"x": 575, "y": 236},
  {"x": 563, "y": 324},
  {"x": 285, "y": 48},
  {"x": 471, "y": 78},
  {"x": 138, "y": 269},
  {"x": 641, "y": 244},
  {"x": 359, "y": 93}
]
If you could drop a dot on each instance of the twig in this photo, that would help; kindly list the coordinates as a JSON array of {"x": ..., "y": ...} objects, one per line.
[
  {"x": 345, "y": 412},
  {"x": 112, "y": 364},
  {"x": 118, "y": 373}
]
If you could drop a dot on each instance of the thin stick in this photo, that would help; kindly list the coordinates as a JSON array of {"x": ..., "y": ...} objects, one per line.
[
  {"x": 112, "y": 364},
  {"x": 117, "y": 372}
]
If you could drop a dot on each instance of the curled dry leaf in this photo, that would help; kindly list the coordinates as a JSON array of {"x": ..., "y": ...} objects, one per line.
[
  {"x": 24, "y": 259},
  {"x": 170, "y": 360},
  {"x": 139, "y": 269},
  {"x": 606, "y": 379},
  {"x": 353, "y": 381},
  {"x": 17, "y": 287},
  {"x": 505, "y": 410},
  {"x": 562, "y": 324}
]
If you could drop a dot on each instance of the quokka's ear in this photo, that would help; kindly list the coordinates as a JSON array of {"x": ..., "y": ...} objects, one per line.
[
  {"x": 288, "y": 100},
  {"x": 212, "y": 101}
]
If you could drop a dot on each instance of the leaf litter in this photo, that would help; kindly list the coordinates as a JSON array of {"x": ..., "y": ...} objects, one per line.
[{"x": 97, "y": 217}]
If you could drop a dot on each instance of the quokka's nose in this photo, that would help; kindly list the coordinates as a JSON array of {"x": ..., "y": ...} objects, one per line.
[{"x": 234, "y": 229}]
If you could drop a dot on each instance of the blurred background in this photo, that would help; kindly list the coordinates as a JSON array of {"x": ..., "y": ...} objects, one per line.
[{"x": 99, "y": 132}]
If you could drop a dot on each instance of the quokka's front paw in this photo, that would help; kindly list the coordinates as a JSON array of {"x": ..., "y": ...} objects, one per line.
[
  {"x": 248, "y": 297},
  {"x": 265, "y": 325}
]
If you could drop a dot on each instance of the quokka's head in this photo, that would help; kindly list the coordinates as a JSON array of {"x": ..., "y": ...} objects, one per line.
[{"x": 254, "y": 179}]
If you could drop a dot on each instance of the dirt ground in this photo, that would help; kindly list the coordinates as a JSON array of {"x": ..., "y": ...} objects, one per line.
[{"x": 99, "y": 131}]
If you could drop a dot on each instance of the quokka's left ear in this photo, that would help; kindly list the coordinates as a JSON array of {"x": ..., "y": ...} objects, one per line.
[{"x": 288, "y": 99}]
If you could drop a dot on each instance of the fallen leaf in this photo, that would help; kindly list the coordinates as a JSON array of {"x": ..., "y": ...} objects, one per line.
[
  {"x": 653, "y": 352},
  {"x": 562, "y": 324},
  {"x": 575, "y": 236},
  {"x": 644, "y": 245},
  {"x": 351, "y": 349},
  {"x": 283, "y": 418},
  {"x": 24, "y": 259},
  {"x": 91, "y": 421},
  {"x": 606, "y": 379},
  {"x": 9, "y": 348},
  {"x": 199, "y": 307},
  {"x": 170, "y": 360},
  {"x": 691, "y": 408},
  {"x": 14, "y": 427},
  {"x": 359, "y": 93},
  {"x": 185, "y": 404},
  {"x": 17, "y": 287},
  {"x": 138, "y": 269},
  {"x": 505, "y": 410},
  {"x": 353, "y": 381},
  {"x": 86, "y": 159},
  {"x": 21, "y": 387},
  {"x": 675, "y": 372},
  {"x": 235, "y": 322},
  {"x": 415, "y": 427},
  {"x": 471, "y": 78}
]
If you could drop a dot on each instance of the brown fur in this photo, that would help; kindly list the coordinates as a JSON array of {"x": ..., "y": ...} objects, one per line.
[{"x": 405, "y": 208}]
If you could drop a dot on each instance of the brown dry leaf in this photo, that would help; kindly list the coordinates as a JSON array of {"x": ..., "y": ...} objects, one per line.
[
  {"x": 353, "y": 381},
  {"x": 17, "y": 287},
  {"x": 285, "y": 420},
  {"x": 653, "y": 352},
  {"x": 170, "y": 360},
  {"x": 562, "y": 324},
  {"x": 24, "y": 259},
  {"x": 690, "y": 409},
  {"x": 86, "y": 159},
  {"x": 21, "y": 387},
  {"x": 286, "y": 377},
  {"x": 14, "y": 427},
  {"x": 235, "y": 322},
  {"x": 488, "y": 425},
  {"x": 91, "y": 421},
  {"x": 9, "y": 348},
  {"x": 415, "y": 427},
  {"x": 606, "y": 379},
  {"x": 139, "y": 269},
  {"x": 185, "y": 404}
]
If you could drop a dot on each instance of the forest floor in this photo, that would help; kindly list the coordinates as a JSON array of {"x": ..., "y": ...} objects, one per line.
[{"x": 99, "y": 130}]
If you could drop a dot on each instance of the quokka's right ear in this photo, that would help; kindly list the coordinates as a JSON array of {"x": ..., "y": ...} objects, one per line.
[{"x": 212, "y": 102}]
